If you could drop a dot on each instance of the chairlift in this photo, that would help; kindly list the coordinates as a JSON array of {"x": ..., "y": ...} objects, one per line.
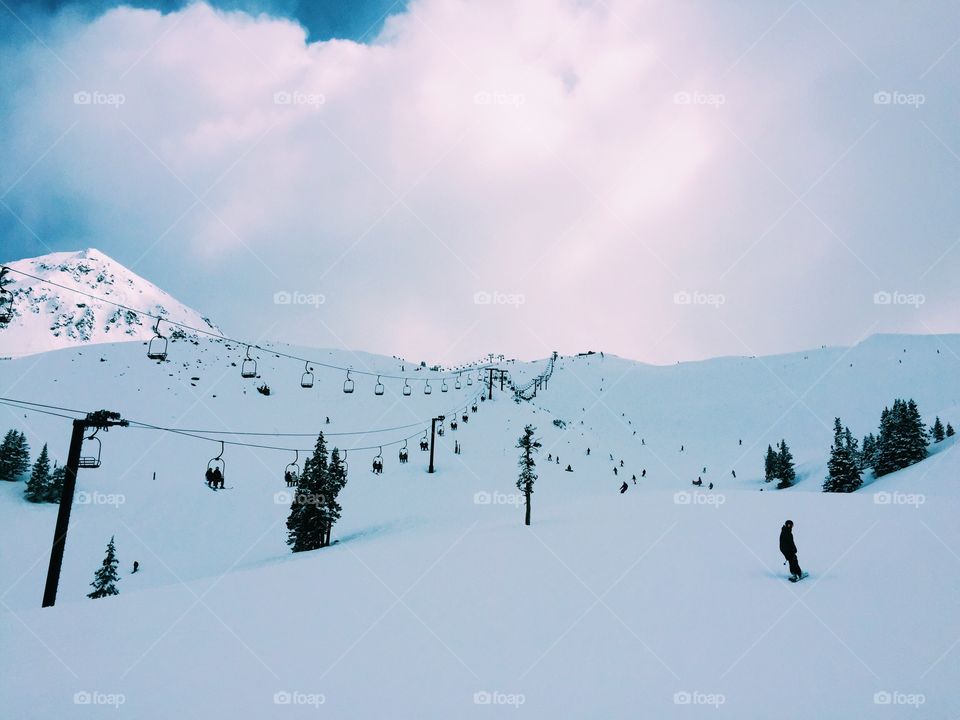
[
  {"x": 469, "y": 379},
  {"x": 292, "y": 472},
  {"x": 378, "y": 388},
  {"x": 157, "y": 348},
  {"x": 457, "y": 385},
  {"x": 348, "y": 384},
  {"x": 427, "y": 389},
  {"x": 91, "y": 461},
  {"x": 407, "y": 390},
  {"x": 378, "y": 462},
  {"x": 404, "y": 455},
  {"x": 306, "y": 380},
  {"x": 216, "y": 470},
  {"x": 443, "y": 385},
  {"x": 346, "y": 465},
  {"x": 249, "y": 367},
  {"x": 6, "y": 299}
]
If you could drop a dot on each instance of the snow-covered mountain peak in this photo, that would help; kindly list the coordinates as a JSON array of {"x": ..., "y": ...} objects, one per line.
[{"x": 47, "y": 317}]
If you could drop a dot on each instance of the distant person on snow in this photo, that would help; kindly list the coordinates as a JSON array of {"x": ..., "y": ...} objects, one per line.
[
  {"x": 615, "y": 470},
  {"x": 569, "y": 469},
  {"x": 549, "y": 457},
  {"x": 644, "y": 473},
  {"x": 136, "y": 566},
  {"x": 588, "y": 451},
  {"x": 621, "y": 463},
  {"x": 710, "y": 486},
  {"x": 634, "y": 478},
  {"x": 733, "y": 472},
  {"x": 623, "y": 488},
  {"x": 789, "y": 549}
]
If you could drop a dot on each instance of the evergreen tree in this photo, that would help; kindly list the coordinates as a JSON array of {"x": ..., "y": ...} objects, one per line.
[
  {"x": 950, "y": 431},
  {"x": 770, "y": 468},
  {"x": 336, "y": 481},
  {"x": 106, "y": 577},
  {"x": 936, "y": 431},
  {"x": 14, "y": 455},
  {"x": 785, "y": 470},
  {"x": 529, "y": 445},
  {"x": 903, "y": 437},
  {"x": 39, "y": 482},
  {"x": 868, "y": 451},
  {"x": 306, "y": 524},
  {"x": 55, "y": 488},
  {"x": 843, "y": 466}
]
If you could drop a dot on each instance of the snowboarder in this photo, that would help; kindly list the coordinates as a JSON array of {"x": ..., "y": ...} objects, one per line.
[
  {"x": 558, "y": 459},
  {"x": 710, "y": 486},
  {"x": 741, "y": 441},
  {"x": 614, "y": 469},
  {"x": 644, "y": 473},
  {"x": 569, "y": 469},
  {"x": 734, "y": 473},
  {"x": 623, "y": 488},
  {"x": 549, "y": 457},
  {"x": 704, "y": 469},
  {"x": 621, "y": 463},
  {"x": 136, "y": 566},
  {"x": 681, "y": 448},
  {"x": 789, "y": 549},
  {"x": 698, "y": 482},
  {"x": 328, "y": 420}
]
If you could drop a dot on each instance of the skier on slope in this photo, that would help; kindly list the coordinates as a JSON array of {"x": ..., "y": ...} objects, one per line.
[
  {"x": 623, "y": 488},
  {"x": 789, "y": 549}
]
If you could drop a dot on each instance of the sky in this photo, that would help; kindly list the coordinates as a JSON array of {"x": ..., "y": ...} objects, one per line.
[{"x": 441, "y": 179}]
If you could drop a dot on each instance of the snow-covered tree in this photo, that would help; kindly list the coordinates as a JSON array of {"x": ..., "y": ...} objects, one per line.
[
  {"x": 785, "y": 470},
  {"x": 868, "y": 451},
  {"x": 528, "y": 445},
  {"x": 770, "y": 465},
  {"x": 306, "y": 524},
  {"x": 903, "y": 437},
  {"x": 55, "y": 487},
  {"x": 106, "y": 577},
  {"x": 950, "y": 431},
  {"x": 936, "y": 430},
  {"x": 336, "y": 481},
  {"x": 38, "y": 485},
  {"x": 844, "y": 465},
  {"x": 14, "y": 456}
]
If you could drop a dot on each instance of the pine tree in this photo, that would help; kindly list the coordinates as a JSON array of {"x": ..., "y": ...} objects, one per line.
[
  {"x": 306, "y": 524},
  {"x": 106, "y": 577},
  {"x": 55, "y": 488},
  {"x": 336, "y": 481},
  {"x": 785, "y": 470},
  {"x": 843, "y": 466},
  {"x": 14, "y": 456},
  {"x": 39, "y": 482},
  {"x": 868, "y": 451},
  {"x": 770, "y": 468},
  {"x": 936, "y": 431},
  {"x": 903, "y": 438},
  {"x": 529, "y": 445},
  {"x": 950, "y": 431}
]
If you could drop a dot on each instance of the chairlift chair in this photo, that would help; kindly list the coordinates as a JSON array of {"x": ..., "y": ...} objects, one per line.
[
  {"x": 293, "y": 469},
  {"x": 407, "y": 390},
  {"x": 217, "y": 463},
  {"x": 348, "y": 384},
  {"x": 249, "y": 367},
  {"x": 427, "y": 389},
  {"x": 457, "y": 385},
  {"x": 306, "y": 380},
  {"x": 443, "y": 385},
  {"x": 378, "y": 388},
  {"x": 91, "y": 461},
  {"x": 157, "y": 348}
]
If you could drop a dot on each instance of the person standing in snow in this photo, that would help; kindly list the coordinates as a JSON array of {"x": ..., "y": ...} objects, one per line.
[
  {"x": 623, "y": 488},
  {"x": 789, "y": 549}
]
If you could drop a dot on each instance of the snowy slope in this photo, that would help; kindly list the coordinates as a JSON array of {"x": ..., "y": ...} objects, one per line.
[
  {"x": 48, "y": 317},
  {"x": 436, "y": 596}
]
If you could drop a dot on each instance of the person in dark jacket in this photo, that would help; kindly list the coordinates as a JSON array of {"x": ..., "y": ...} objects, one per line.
[{"x": 789, "y": 549}]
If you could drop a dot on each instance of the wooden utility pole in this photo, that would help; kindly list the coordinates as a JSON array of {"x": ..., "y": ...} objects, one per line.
[
  {"x": 433, "y": 434},
  {"x": 100, "y": 420}
]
